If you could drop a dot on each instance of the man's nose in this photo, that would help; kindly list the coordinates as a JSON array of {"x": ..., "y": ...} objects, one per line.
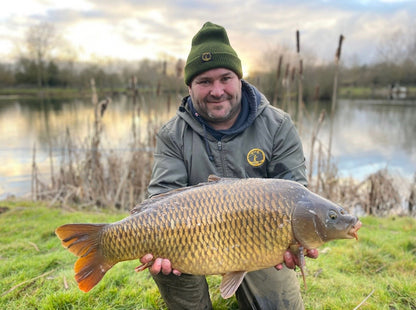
[{"x": 217, "y": 89}]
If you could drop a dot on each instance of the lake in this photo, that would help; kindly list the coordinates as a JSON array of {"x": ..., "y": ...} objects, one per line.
[{"x": 368, "y": 135}]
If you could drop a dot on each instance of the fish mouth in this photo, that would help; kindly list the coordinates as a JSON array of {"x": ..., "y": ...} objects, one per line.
[{"x": 353, "y": 231}]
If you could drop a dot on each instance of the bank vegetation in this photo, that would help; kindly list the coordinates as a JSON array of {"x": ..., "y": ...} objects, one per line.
[
  {"x": 97, "y": 178},
  {"x": 292, "y": 80}
]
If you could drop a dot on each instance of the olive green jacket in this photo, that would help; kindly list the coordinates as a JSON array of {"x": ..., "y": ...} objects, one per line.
[{"x": 186, "y": 153}]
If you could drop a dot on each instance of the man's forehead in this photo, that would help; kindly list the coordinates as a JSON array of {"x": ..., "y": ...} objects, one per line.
[{"x": 217, "y": 72}]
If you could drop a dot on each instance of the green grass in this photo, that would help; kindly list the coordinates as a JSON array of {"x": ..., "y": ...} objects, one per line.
[
  {"x": 34, "y": 267},
  {"x": 358, "y": 92},
  {"x": 56, "y": 92}
]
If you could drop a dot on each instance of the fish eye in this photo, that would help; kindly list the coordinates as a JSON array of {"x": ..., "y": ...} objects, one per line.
[{"x": 332, "y": 215}]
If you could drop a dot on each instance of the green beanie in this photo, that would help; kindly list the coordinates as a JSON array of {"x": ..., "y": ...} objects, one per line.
[{"x": 211, "y": 49}]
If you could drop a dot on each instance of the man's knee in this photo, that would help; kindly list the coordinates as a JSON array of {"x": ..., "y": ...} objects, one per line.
[
  {"x": 270, "y": 289},
  {"x": 184, "y": 291}
]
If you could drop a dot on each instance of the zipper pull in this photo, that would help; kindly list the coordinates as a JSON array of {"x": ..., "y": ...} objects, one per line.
[{"x": 219, "y": 145}]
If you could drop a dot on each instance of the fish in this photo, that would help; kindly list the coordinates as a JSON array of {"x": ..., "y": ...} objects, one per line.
[{"x": 226, "y": 226}]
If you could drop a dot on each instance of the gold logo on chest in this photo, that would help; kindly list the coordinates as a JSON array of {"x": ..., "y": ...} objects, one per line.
[{"x": 256, "y": 157}]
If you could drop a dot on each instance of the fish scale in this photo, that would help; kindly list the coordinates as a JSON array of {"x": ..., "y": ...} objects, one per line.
[{"x": 229, "y": 226}]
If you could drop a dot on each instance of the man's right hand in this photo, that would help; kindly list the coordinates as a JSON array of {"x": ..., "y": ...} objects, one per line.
[{"x": 159, "y": 265}]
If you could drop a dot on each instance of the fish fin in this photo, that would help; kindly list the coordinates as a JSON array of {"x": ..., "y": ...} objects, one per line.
[
  {"x": 141, "y": 207},
  {"x": 143, "y": 266},
  {"x": 302, "y": 263},
  {"x": 302, "y": 271},
  {"x": 154, "y": 199},
  {"x": 230, "y": 283},
  {"x": 83, "y": 241},
  {"x": 213, "y": 178}
]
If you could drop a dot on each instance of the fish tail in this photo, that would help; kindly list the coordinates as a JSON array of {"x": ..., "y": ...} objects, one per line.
[{"x": 83, "y": 241}]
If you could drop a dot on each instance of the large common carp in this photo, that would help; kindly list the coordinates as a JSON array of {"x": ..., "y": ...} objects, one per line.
[{"x": 225, "y": 226}]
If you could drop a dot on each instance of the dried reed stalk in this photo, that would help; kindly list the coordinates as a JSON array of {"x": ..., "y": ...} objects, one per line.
[
  {"x": 34, "y": 183},
  {"x": 315, "y": 133},
  {"x": 278, "y": 73},
  {"x": 51, "y": 160},
  {"x": 382, "y": 196},
  {"x": 287, "y": 85},
  {"x": 411, "y": 201},
  {"x": 334, "y": 96},
  {"x": 134, "y": 99},
  {"x": 300, "y": 83}
]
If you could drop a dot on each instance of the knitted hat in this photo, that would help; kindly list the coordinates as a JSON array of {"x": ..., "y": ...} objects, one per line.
[{"x": 211, "y": 49}]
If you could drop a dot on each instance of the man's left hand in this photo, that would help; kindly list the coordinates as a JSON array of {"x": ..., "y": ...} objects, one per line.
[{"x": 291, "y": 260}]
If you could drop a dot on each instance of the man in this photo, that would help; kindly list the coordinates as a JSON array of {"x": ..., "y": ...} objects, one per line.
[{"x": 228, "y": 128}]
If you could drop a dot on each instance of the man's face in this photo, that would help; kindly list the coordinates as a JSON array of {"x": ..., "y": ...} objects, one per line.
[{"x": 216, "y": 95}]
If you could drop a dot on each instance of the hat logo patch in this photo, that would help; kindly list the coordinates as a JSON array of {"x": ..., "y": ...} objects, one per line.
[
  {"x": 256, "y": 157},
  {"x": 207, "y": 56}
]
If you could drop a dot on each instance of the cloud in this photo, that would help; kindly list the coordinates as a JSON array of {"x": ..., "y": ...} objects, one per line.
[{"x": 133, "y": 29}]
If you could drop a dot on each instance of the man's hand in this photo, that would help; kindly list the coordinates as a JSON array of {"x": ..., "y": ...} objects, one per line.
[
  {"x": 158, "y": 265},
  {"x": 291, "y": 260}
]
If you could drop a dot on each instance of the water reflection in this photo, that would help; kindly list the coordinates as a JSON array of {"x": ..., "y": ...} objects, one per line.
[{"x": 368, "y": 135}]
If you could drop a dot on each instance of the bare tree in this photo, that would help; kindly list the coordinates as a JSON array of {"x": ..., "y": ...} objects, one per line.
[
  {"x": 40, "y": 40},
  {"x": 398, "y": 46}
]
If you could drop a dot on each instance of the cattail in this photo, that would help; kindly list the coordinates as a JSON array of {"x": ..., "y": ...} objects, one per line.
[
  {"x": 338, "y": 52},
  {"x": 276, "y": 89},
  {"x": 317, "y": 90},
  {"x": 180, "y": 64},
  {"x": 297, "y": 41},
  {"x": 279, "y": 67},
  {"x": 300, "y": 84},
  {"x": 334, "y": 97}
]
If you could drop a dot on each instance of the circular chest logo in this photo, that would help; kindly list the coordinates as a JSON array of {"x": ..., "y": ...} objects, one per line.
[
  {"x": 256, "y": 157},
  {"x": 207, "y": 56}
]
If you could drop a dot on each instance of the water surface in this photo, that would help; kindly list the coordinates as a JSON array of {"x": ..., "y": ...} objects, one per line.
[{"x": 368, "y": 135}]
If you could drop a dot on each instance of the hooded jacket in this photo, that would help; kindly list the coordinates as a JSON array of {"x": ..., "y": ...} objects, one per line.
[{"x": 263, "y": 144}]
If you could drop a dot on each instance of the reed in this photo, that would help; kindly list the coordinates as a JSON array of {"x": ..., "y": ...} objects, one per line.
[
  {"x": 286, "y": 83},
  {"x": 411, "y": 200},
  {"x": 91, "y": 177},
  {"x": 326, "y": 179},
  {"x": 34, "y": 183},
  {"x": 278, "y": 74},
  {"x": 300, "y": 83},
  {"x": 334, "y": 94},
  {"x": 314, "y": 137}
]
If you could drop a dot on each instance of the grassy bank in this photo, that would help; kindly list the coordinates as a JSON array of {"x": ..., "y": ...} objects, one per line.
[
  {"x": 346, "y": 92},
  {"x": 54, "y": 92},
  {"x": 361, "y": 92},
  {"x": 36, "y": 272}
]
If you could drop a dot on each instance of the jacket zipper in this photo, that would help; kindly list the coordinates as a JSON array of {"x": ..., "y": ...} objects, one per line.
[{"x": 223, "y": 163}]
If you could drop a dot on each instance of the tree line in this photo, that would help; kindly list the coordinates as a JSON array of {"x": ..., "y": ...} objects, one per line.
[
  {"x": 38, "y": 67},
  {"x": 56, "y": 73}
]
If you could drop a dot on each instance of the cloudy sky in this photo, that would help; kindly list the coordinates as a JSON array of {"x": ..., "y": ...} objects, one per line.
[{"x": 136, "y": 29}]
